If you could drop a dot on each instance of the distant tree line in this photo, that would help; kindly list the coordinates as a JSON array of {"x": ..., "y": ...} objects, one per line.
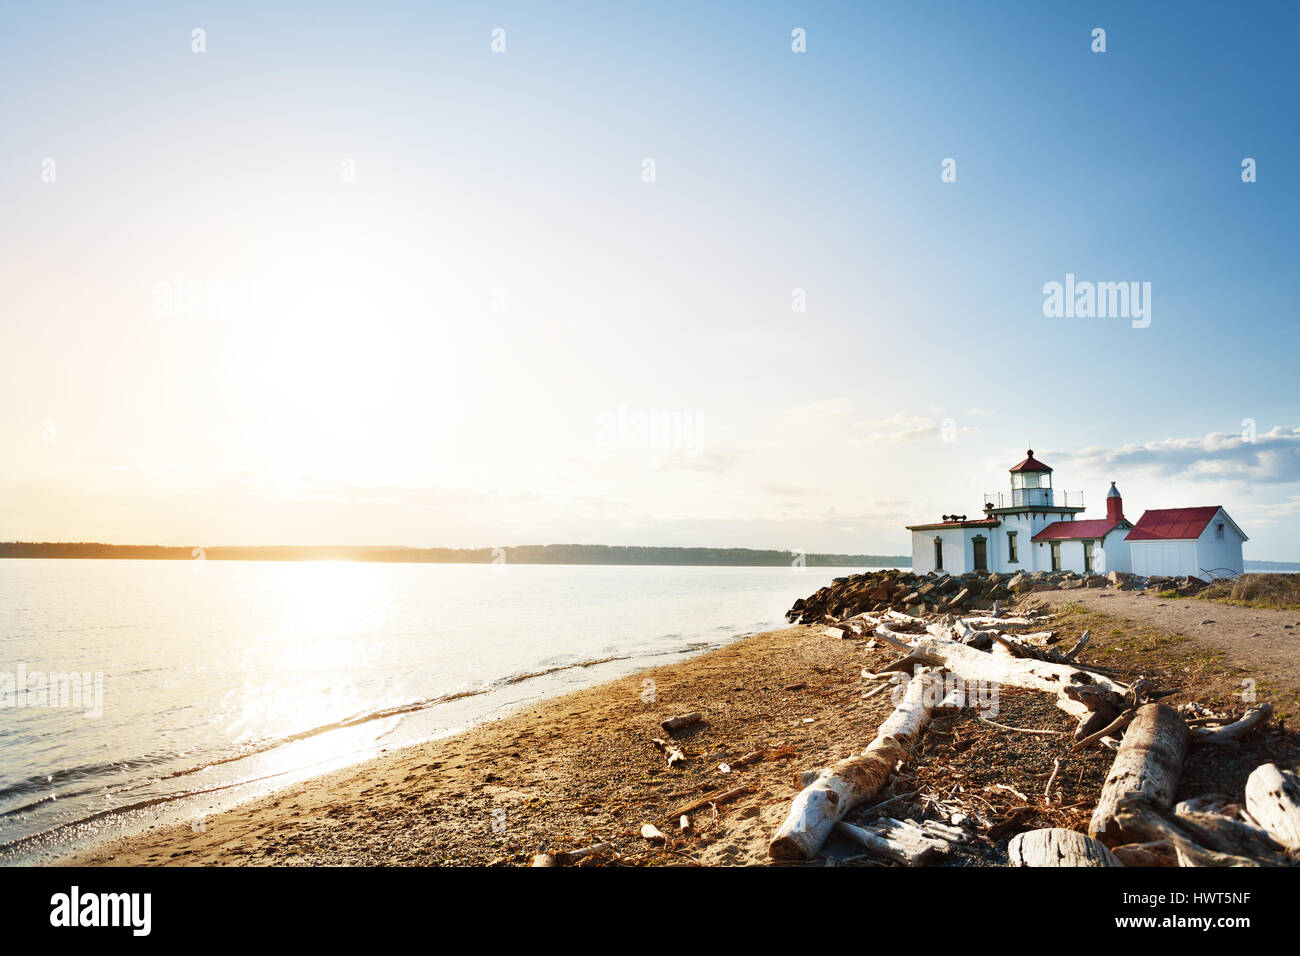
[{"x": 524, "y": 554}]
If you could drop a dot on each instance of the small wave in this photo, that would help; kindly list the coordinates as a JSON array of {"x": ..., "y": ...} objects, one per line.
[{"x": 519, "y": 678}]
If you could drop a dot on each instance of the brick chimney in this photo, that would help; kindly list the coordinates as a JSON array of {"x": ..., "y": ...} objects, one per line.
[{"x": 1114, "y": 504}]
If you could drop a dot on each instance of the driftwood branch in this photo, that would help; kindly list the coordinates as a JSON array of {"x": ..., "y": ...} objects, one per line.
[
  {"x": 1234, "y": 731},
  {"x": 840, "y": 788}
]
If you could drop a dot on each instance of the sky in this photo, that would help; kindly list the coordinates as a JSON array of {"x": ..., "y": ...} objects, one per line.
[{"x": 491, "y": 274}]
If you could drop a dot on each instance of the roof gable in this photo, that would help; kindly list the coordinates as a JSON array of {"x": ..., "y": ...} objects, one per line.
[{"x": 1175, "y": 524}]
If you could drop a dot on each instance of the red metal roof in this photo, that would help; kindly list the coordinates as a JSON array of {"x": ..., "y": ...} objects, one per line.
[
  {"x": 1166, "y": 524},
  {"x": 1030, "y": 464},
  {"x": 1070, "y": 530}
]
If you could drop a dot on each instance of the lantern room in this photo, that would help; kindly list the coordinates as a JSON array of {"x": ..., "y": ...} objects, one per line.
[{"x": 1031, "y": 483}]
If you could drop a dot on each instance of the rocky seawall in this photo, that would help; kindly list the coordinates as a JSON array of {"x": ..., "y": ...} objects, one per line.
[{"x": 939, "y": 592}]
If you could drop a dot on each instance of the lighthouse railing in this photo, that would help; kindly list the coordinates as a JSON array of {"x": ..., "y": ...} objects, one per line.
[{"x": 1060, "y": 499}]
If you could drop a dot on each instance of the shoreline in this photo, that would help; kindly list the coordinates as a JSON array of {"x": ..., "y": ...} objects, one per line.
[
  {"x": 552, "y": 774},
  {"x": 496, "y": 700},
  {"x": 581, "y": 768}
]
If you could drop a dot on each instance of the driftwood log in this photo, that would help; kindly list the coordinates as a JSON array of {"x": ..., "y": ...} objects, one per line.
[
  {"x": 561, "y": 858},
  {"x": 680, "y": 723},
  {"x": 1054, "y": 846},
  {"x": 904, "y": 841},
  {"x": 1273, "y": 801},
  {"x": 669, "y": 750},
  {"x": 972, "y": 664},
  {"x": 717, "y": 799},
  {"x": 1201, "y": 839},
  {"x": 1154, "y": 853},
  {"x": 839, "y": 788},
  {"x": 1147, "y": 764}
]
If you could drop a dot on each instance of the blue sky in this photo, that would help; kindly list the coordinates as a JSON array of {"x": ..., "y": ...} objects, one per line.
[{"x": 434, "y": 350}]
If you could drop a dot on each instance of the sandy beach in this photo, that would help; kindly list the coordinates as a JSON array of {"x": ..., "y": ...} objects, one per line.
[{"x": 580, "y": 769}]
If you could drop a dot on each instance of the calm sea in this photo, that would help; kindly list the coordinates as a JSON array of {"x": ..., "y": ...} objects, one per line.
[{"x": 175, "y": 688}]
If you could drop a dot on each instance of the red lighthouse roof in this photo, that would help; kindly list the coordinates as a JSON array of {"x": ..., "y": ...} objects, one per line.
[{"x": 1030, "y": 464}]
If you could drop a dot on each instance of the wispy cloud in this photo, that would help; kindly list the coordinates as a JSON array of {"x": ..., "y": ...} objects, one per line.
[
  {"x": 901, "y": 429},
  {"x": 1272, "y": 458}
]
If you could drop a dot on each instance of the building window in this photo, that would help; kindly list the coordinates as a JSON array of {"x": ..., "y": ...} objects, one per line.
[
  {"x": 938, "y": 554},
  {"x": 1218, "y": 532},
  {"x": 1087, "y": 556},
  {"x": 1013, "y": 556},
  {"x": 1056, "y": 555},
  {"x": 979, "y": 546}
]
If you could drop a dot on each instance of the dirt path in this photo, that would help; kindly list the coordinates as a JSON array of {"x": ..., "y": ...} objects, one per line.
[{"x": 1255, "y": 640}]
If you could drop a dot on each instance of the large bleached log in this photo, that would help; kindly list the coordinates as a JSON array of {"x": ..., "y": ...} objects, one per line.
[
  {"x": 841, "y": 787},
  {"x": 1147, "y": 765},
  {"x": 1273, "y": 801},
  {"x": 1054, "y": 846},
  {"x": 1001, "y": 621},
  {"x": 897, "y": 638},
  {"x": 902, "y": 618},
  {"x": 1047, "y": 676}
]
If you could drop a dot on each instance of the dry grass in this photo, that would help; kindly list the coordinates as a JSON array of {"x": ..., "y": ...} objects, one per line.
[
  {"x": 1257, "y": 590},
  {"x": 1135, "y": 649}
]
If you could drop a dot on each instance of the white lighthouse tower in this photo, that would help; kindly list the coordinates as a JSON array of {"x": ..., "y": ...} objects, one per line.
[{"x": 1001, "y": 540}]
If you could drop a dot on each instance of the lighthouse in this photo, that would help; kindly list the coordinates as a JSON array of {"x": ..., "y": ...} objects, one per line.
[
  {"x": 1038, "y": 528},
  {"x": 1033, "y": 528}
]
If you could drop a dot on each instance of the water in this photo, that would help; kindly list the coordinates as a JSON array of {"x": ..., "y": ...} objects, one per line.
[{"x": 222, "y": 680}]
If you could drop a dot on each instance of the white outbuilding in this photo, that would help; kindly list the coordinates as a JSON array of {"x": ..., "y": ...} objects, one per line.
[{"x": 1199, "y": 542}]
